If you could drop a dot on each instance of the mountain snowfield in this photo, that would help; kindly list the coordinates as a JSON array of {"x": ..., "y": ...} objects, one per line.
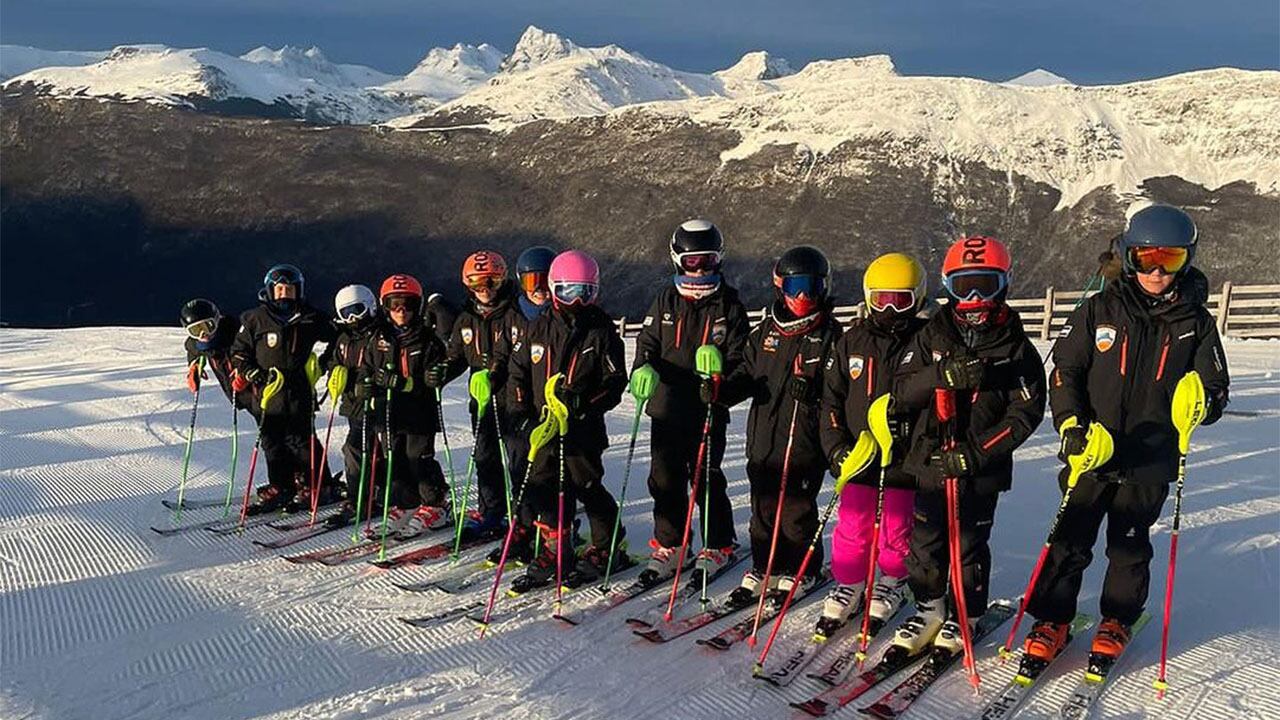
[{"x": 101, "y": 618}]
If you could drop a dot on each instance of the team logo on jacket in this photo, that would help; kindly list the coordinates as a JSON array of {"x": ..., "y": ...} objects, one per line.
[
  {"x": 1104, "y": 338},
  {"x": 383, "y": 344},
  {"x": 515, "y": 333},
  {"x": 272, "y": 340},
  {"x": 536, "y": 352},
  {"x": 467, "y": 336},
  {"x": 856, "y": 363},
  {"x": 770, "y": 343},
  {"x": 718, "y": 333}
]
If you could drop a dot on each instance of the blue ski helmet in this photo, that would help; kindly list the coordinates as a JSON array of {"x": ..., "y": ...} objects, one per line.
[{"x": 1159, "y": 226}]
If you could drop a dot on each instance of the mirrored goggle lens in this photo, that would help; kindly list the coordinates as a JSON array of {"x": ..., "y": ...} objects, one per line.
[
  {"x": 532, "y": 281},
  {"x": 202, "y": 328},
  {"x": 896, "y": 300},
  {"x": 691, "y": 262},
  {"x": 985, "y": 284},
  {"x": 1170, "y": 259},
  {"x": 352, "y": 312},
  {"x": 808, "y": 285},
  {"x": 489, "y": 282},
  {"x": 400, "y": 302},
  {"x": 570, "y": 293}
]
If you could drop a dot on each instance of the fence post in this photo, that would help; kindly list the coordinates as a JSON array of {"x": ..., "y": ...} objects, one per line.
[
  {"x": 1224, "y": 306},
  {"x": 1047, "y": 324}
]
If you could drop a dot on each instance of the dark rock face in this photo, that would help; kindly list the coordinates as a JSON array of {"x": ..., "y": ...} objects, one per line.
[{"x": 117, "y": 213}]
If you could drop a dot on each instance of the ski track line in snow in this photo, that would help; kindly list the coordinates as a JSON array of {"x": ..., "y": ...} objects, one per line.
[{"x": 199, "y": 625}]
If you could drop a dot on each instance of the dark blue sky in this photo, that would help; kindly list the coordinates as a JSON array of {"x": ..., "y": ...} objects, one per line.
[{"x": 1089, "y": 41}]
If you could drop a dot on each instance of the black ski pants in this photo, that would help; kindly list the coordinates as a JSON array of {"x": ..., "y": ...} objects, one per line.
[
  {"x": 1130, "y": 510},
  {"x": 490, "y": 465},
  {"x": 799, "y": 519},
  {"x": 583, "y": 483},
  {"x": 673, "y": 454},
  {"x": 353, "y": 452},
  {"x": 929, "y": 561},
  {"x": 288, "y": 442},
  {"x": 416, "y": 477}
]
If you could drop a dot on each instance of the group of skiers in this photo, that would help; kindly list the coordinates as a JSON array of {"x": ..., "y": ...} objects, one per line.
[{"x": 966, "y": 387}]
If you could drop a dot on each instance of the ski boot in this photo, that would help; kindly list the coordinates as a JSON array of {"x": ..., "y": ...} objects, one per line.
[
  {"x": 662, "y": 564},
  {"x": 749, "y": 589},
  {"x": 541, "y": 572},
  {"x": 1108, "y": 644},
  {"x": 520, "y": 552},
  {"x": 710, "y": 561},
  {"x": 493, "y": 527},
  {"x": 887, "y": 597},
  {"x": 397, "y": 519},
  {"x": 1044, "y": 643},
  {"x": 919, "y": 630},
  {"x": 950, "y": 639},
  {"x": 344, "y": 517},
  {"x": 425, "y": 518},
  {"x": 270, "y": 499},
  {"x": 593, "y": 563},
  {"x": 840, "y": 605}
]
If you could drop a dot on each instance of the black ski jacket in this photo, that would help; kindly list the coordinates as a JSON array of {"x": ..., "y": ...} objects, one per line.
[
  {"x": 770, "y": 359},
  {"x": 414, "y": 409},
  {"x": 348, "y": 351},
  {"x": 267, "y": 341},
  {"x": 991, "y": 421},
  {"x": 440, "y": 317},
  {"x": 1117, "y": 362},
  {"x": 860, "y": 369},
  {"x": 481, "y": 340},
  {"x": 673, "y": 330},
  {"x": 217, "y": 358},
  {"x": 584, "y": 345}
]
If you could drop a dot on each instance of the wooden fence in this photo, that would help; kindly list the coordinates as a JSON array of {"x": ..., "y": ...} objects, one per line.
[{"x": 1242, "y": 311}]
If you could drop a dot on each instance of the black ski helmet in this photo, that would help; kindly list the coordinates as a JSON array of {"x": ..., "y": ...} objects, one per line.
[
  {"x": 695, "y": 236},
  {"x": 535, "y": 259},
  {"x": 198, "y": 310},
  {"x": 1159, "y": 226},
  {"x": 802, "y": 260}
]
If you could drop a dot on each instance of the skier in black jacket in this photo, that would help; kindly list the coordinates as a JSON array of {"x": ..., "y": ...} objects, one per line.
[
  {"x": 483, "y": 328},
  {"x": 579, "y": 341},
  {"x": 861, "y": 369},
  {"x": 280, "y": 333},
  {"x": 781, "y": 373},
  {"x": 1117, "y": 362},
  {"x": 357, "y": 315},
  {"x": 975, "y": 351},
  {"x": 397, "y": 354},
  {"x": 209, "y": 336},
  {"x": 701, "y": 309}
]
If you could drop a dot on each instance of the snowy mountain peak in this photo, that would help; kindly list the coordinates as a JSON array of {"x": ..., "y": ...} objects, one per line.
[
  {"x": 286, "y": 53},
  {"x": 446, "y": 73},
  {"x": 1038, "y": 78},
  {"x": 869, "y": 66},
  {"x": 757, "y": 65},
  {"x": 536, "y": 47}
]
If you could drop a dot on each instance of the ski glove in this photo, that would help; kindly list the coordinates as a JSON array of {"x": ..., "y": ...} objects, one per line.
[
  {"x": 709, "y": 389},
  {"x": 256, "y": 376},
  {"x": 1074, "y": 441},
  {"x": 435, "y": 375},
  {"x": 1215, "y": 403},
  {"x": 961, "y": 373},
  {"x": 574, "y": 400},
  {"x": 957, "y": 462},
  {"x": 804, "y": 390},
  {"x": 196, "y": 373},
  {"x": 390, "y": 379}
]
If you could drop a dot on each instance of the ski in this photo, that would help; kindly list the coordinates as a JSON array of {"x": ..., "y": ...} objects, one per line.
[
  {"x": 692, "y": 589},
  {"x": 435, "y": 551},
  {"x": 463, "y": 578},
  {"x": 443, "y": 616},
  {"x": 221, "y": 526},
  {"x": 1029, "y": 671},
  {"x": 893, "y": 661},
  {"x": 839, "y": 666},
  {"x": 617, "y": 596},
  {"x": 721, "y": 607},
  {"x": 305, "y": 533},
  {"x": 792, "y": 665},
  {"x": 896, "y": 702},
  {"x": 188, "y": 504},
  {"x": 1091, "y": 686},
  {"x": 741, "y": 630}
]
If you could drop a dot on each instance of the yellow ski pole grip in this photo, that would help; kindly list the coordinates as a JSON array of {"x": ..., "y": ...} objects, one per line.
[{"x": 878, "y": 421}]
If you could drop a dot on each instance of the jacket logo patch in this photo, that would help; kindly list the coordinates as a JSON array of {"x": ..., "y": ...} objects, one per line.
[
  {"x": 937, "y": 357},
  {"x": 1104, "y": 338},
  {"x": 1186, "y": 335},
  {"x": 856, "y": 363},
  {"x": 831, "y": 362},
  {"x": 515, "y": 333},
  {"x": 273, "y": 340},
  {"x": 648, "y": 320},
  {"x": 467, "y": 336},
  {"x": 719, "y": 332},
  {"x": 383, "y": 345},
  {"x": 770, "y": 343},
  {"x": 536, "y": 352}
]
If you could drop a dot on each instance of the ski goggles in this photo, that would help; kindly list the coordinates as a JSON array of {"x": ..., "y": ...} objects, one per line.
[
  {"x": 976, "y": 284},
  {"x": 895, "y": 300},
  {"x": 353, "y": 313},
  {"x": 1169, "y": 259},
  {"x": 701, "y": 260},
  {"x": 396, "y": 303},
  {"x": 533, "y": 281},
  {"x": 484, "y": 282},
  {"x": 811, "y": 286},
  {"x": 569, "y": 293},
  {"x": 202, "y": 329}
]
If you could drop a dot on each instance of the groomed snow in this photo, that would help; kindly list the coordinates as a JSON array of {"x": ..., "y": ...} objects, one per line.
[{"x": 101, "y": 618}]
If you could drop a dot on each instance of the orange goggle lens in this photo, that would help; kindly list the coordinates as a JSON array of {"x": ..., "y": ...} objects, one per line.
[
  {"x": 1169, "y": 259},
  {"x": 491, "y": 282},
  {"x": 532, "y": 281}
]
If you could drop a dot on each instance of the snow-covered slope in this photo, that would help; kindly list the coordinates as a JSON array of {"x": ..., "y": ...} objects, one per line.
[
  {"x": 548, "y": 76},
  {"x": 300, "y": 83},
  {"x": 19, "y": 59},
  {"x": 1038, "y": 78},
  {"x": 446, "y": 73},
  {"x": 101, "y": 618},
  {"x": 1209, "y": 127}
]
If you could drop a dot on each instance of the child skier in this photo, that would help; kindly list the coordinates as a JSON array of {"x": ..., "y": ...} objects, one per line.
[
  {"x": 862, "y": 368},
  {"x": 781, "y": 373},
  {"x": 280, "y": 333},
  {"x": 577, "y": 340},
  {"x": 208, "y": 346},
  {"x": 1117, "y": 362},
  {"x": 699, "y": 309},
  {"x": 976, "y": 351},
  {"x": 357, "y": 316},
  {"x": 397, "y": 351}
]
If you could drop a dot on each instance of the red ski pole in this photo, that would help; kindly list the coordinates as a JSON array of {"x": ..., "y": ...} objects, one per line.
[
  {"x": 688, "y": 519},
  {"x": 945, "y": 408},
  {"x": 275, "y": 381},
  {"x": 317, "y": 471},
  {"x": 777, "y": 523}
]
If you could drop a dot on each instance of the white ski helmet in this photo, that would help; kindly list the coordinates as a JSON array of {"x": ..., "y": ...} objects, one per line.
[{"x": 355, "y": 303}]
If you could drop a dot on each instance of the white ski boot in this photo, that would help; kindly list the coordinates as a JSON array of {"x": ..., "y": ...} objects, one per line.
[
  {"x": 919, "y": 630},
  {"x": 887, "y": 597},
  {"x": 840, "y": 605}
]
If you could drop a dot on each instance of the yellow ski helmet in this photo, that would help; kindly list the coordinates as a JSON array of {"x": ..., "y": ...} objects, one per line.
[{"x": 894, "y": 281}]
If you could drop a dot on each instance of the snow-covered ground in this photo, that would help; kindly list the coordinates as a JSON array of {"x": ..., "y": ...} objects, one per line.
[{"x": 101, "y": 618}]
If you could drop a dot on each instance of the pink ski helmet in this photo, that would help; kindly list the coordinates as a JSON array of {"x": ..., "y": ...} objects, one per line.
[{"x": 574, "y": 279}]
